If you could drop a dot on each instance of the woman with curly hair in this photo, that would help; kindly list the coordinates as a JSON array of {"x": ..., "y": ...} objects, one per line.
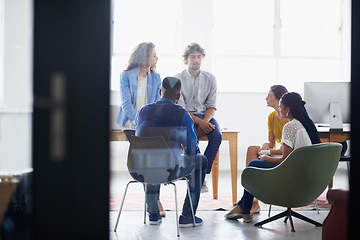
[{"x": 139, "y": 85}]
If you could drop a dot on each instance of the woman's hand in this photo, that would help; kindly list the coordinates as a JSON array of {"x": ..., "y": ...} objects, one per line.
[{"x": 263, "y": 157}]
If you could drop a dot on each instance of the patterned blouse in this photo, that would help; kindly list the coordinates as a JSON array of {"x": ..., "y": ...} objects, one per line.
[{"x": 294, "y": 135}]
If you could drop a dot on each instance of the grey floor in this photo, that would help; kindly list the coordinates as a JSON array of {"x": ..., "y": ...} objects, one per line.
[{"x": 131, "y": 224}]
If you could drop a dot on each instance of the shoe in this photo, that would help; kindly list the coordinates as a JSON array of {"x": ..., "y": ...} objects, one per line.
[
  {"x": 233, "y": 216},
  {"x": 204, "y": 188},
  {"x": 162, "y": 213},
  {"x": 248, "y": 218},
  {"x": 185, "y": 222},
  {"x": 154, "y": 218},
  {"x": 256, "y": 210},
  {"x": 161, "y": 209}
]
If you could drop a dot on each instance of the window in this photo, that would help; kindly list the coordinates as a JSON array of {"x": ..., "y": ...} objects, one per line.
[
  {"x": 136, "y": 21},
  {"x": 281, "y": 42},
  {"x": 250, "y": 45},
  {"x": 2, "y": 33}
]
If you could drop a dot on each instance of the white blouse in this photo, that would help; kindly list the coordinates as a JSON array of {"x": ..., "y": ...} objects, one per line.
[
  {"x": 294, "y": 135},
  {"x": 141, "y": 101}
]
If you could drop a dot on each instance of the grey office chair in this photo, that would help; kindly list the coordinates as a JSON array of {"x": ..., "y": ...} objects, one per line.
[{"x": 151, "y": 162}]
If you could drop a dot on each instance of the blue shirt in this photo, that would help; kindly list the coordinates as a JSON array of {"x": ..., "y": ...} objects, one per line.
[
  {"x": 172, "y": 122},
  {"x": 128, "y": 93}
]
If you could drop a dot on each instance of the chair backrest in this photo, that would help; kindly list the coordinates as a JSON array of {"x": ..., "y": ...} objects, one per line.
[
  {"x": 150, "y": 160},
  {"x": 298, "y": 180}
]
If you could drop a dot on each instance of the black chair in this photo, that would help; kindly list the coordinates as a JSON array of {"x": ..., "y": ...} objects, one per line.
[
  {"x": 151, "y": 162},
  {"x": 345, "y": 158}
]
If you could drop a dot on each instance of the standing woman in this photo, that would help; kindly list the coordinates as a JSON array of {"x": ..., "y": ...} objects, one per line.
[
  {"x": 139, "y": 85},
  {"x": 300, "y": 131}
]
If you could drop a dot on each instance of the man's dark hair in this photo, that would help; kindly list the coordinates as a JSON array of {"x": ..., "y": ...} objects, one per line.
[{"x": 171, "y": 87}]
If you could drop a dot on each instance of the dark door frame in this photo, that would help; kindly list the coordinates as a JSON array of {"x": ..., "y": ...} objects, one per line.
[{"x": 71, "y": 119}]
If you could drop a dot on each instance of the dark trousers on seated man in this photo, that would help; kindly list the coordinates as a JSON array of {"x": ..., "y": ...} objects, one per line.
[
  {"x": 195, "y": 166},
  {"x": 172, "y": 122}
]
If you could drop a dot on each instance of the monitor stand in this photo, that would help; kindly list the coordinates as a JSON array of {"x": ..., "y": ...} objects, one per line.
[{"x": 336, "y": 123}]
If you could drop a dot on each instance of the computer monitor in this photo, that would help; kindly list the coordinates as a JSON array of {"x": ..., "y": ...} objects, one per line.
[{"x": 328, "y": 103}]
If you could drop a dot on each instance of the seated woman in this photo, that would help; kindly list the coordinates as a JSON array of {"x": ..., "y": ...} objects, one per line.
[
  {"x": 275, "y": 127},
  {"x": 300, "y": 131}
]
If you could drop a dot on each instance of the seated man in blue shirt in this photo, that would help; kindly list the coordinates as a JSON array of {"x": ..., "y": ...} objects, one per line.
[{"x": 167, "y": 119}]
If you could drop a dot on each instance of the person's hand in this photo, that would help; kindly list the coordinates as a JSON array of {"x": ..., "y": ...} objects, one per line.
[
  {"x": 263, "y": 157},
  {"x": 201, "y": 133},
  {"x": 207, "y": 127}
]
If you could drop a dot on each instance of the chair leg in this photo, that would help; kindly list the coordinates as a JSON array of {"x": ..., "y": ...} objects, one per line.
[
  {"x": 145, "y": 187},
  {"x": 287, "y": 214},
  {"x": 306, "y": 219},
  {"x": 291, "y": 221},
  {"x": 176, "y": 211},
  {"x": 191, "y": 205},
  {"x": 273, "y": 218},
  {"x": 269, "y": 210},
  {"x": 122, "y": 204},
  {"x": 317, "y": 207}
]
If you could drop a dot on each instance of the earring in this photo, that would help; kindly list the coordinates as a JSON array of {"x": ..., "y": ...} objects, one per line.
[{"x": 287, "y": 114}]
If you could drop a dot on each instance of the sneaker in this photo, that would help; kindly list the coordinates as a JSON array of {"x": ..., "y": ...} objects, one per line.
[
  {"x": 154, "y": 218},
  {"x": 185, "y": 222}
]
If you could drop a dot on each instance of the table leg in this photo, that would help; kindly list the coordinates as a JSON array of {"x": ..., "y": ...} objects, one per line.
[
  {"x": 215, "y": 175},
  {"x": 233, "y": 146}
]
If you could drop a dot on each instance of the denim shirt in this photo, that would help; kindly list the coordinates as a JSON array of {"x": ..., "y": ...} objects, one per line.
[
  {"x": 172, "y": 122},
  {"x": 128, "y": 92}
]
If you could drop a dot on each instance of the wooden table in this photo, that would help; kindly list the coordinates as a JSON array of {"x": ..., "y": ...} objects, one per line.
[
  {"x": 227, "y": 135},
  {"x": 333, "y": 136},
  {"x": 232, "y": 137}
]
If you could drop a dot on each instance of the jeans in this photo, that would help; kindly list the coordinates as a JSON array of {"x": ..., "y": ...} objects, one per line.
[
  {"x": 196, "y": 167},
  {"x": 247, "y": 199},
  {"x": 215, "y": 138}
]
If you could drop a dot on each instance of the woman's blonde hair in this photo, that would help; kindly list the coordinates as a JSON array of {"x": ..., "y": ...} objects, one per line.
[{"x": 140, "y": 56}]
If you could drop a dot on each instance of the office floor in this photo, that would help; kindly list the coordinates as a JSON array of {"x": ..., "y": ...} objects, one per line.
[{"x": 131, "y": 224}]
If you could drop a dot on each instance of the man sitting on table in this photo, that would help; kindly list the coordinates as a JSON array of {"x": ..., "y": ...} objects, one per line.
[
  {"x": 198, "y": 96},
  {"x": 167, "y": 119}
]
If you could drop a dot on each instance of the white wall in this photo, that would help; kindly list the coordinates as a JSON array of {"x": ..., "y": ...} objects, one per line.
[
  {"x": 246, "y": 112},
  {"x": 16, "y": 110}
]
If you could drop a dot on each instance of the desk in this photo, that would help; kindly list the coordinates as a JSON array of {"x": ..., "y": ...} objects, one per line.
[
  {"x": 333, "y": 136},
  {"x": 227, "y": 135}
]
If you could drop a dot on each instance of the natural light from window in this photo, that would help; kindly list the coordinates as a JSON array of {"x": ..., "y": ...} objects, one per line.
[{"x": 249, "y": 47}]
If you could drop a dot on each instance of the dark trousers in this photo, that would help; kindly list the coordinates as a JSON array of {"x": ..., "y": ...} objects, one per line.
[
  {"x": 215, "y": 138},
  {"x": 129, "y": 133},
  {"x": 247, "y": 199},
  {"x": 196, "y": 167}
]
